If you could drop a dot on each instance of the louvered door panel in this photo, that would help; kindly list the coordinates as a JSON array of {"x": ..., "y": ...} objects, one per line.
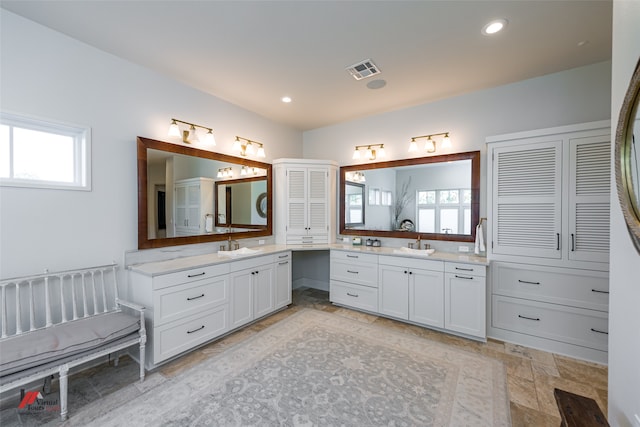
[
  {"x": 527, "y": 203},
  {"x": 589, "y": 192},
  {"x": 297, "y": 201},
  {"x": 317, "y": 201}
]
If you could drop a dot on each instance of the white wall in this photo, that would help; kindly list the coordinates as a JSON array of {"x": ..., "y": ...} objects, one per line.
[
  {"x": 46, "y": 74},
  {"x": 624, "y": 299}
]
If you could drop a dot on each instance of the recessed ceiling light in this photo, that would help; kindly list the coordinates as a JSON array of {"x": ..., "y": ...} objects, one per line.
[
  {"x": 286, "y": 99},
  {"x": 494, "y": 26},
  {"x": 377, "y": 84}
]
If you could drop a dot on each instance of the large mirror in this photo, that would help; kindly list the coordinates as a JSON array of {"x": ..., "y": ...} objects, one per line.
[
  {"x": 627, "y": 155},
  {"x": 437, "y": 198},
  {"x": 179, "y": 190}
]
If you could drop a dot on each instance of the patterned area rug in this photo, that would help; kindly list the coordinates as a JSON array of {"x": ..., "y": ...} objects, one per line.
[{"x": 317, "y": 369}]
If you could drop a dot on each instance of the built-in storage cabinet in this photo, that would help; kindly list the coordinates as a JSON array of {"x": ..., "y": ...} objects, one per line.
[
  {"x": 187, "y": 308},
  {"x": 548, "y": 223},
  {"x": 305, "y": 201},
  {"x": 193, "y": 202},
  {"x": 421, "y": 291}
]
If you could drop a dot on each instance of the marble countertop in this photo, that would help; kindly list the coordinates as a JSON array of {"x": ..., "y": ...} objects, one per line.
[{"x": 195, "y": 261}]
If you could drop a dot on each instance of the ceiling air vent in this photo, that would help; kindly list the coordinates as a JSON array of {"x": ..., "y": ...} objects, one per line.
[{"x": 363, "y": 69}]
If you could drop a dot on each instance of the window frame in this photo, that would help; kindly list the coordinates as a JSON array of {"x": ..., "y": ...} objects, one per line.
[
  {"x": 81, "y": 151},
  {"x": 436, "y": 207}
]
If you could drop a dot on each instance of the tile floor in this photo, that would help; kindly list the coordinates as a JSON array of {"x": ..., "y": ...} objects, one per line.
[{"x": 531, "y": 374}]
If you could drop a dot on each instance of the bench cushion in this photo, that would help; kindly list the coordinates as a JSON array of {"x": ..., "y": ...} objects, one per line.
[{"x": 35, "y": 348}]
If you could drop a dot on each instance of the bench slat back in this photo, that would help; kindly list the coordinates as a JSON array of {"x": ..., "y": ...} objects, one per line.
[{"x": 44, "y": 300}]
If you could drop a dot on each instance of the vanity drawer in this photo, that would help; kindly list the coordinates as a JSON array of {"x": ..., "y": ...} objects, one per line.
[
  {"x": 587, "y": 328},
  {"x": 356, "y": 296},
  {"x": 355, "y": 272},
  {"x": 462, "y": 268},
  {"x": 282, "y": 256},
  {"x": 578, "y": 288},
  {"x": 177, "y": 302},
  {"x": 354, "y": 256},
  {"x": 191, "y": 275},
  {"x": 406, "y": 262},
  {"x": 307, "y": 240},
  {"x": 174, "y": 338}
]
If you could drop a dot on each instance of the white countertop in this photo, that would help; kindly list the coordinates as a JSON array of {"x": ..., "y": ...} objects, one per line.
[{"x": 185, "y": 263}]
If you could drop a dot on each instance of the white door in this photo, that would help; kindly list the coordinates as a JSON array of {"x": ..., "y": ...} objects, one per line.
[
  {"x": 393, "y": 291},
  {"x": 426, "y": 296},
  {"x": 241, "y": 284},
  {"x": 283, "y": 282},
  {"x": 263, "y": 290},
  {"x": 317, "y": 202},
  {"x": 464, "y": 304},
  {"x": 296, "y": 201}
]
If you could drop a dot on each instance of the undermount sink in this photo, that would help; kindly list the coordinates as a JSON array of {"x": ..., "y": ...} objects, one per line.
[
  {"x": 423, "y": 252},
  {"x": 239, "y": 252}
]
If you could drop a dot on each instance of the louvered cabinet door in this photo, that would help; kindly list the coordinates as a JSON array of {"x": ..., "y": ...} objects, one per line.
[
  {"x": 297, "y": 201},
  {"x": 589, "y": 192},
  {"x": 317, "y": 201},
  {"x": 527, "y": 199}
]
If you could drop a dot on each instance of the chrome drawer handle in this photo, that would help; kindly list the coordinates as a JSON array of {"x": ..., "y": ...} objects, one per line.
[
  {"x": 283, "y": 263},
  {"x": 352, "y": 272},
  {"x": 196, "y": 275},
  {"x": 528, "y": 282},
  {"x": 463, "y": 277},
  {"x": 537, "y": 319},
  {"x": 600, "y": 332},
  {"x": 192, "y": 298},
  {"x": 353, "y": 295},
  {"x": 599, "y": 291},
  {"x": 464, "y": 269},
  {"x": 196, "y": 330}
]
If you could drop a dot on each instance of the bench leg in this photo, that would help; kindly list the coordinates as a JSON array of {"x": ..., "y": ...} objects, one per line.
[
  {"x": 64, "y": 382},
  {"x": 142, "y": 356}
]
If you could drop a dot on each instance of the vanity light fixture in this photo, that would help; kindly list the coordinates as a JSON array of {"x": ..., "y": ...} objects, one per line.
[
  {"x": 248, "y": 147},
  {"x": 355, "y": 176},
  {"x": 371, "y": 151},
  {"x": 225, "y": 173},
  {"x": 191, "y": 135},
  {"x": 430, "y": 143}
]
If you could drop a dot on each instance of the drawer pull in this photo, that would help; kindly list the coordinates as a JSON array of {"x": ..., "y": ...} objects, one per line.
[
  {"x": 192, "y": 298},
  {"x": 558, "y": 241},
  {"x": 463, "y": 277},
  {"x": 464, "y": 269},
  {"x": 196, "y": 330},
  {"x": 600, "y": 332},
  {"x": 353, "y": 295},
  {"x": 283, "y": 256},
  {"x": 599, "y": 291},
  {"x": 353, "y": 272},
  {"x": 528, "y": 282},
  {"x": 283, "y": 263},
  {"x": 537, "y": 319},
  {"x": 196, "y": 275},
  {"x": 352, "y": 256}
]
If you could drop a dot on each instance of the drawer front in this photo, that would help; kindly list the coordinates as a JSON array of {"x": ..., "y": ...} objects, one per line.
[
  {"x": 355, "y": 272},
  {"x": 283, "y": 256},
  {"x": 191, "y": 275},
  {"x": 307, "y": 240},
  {"x": 587, "y": 328},
  {"x": 178, "y": 302},
  {"x": 560, "y": 286},
  {"x": 406, "y": 262},
  {"x": 354, "y": 256},
  {"x": 246, "y": 263},
  {"x": 468, "y": 269},
  {"x": 176, "y": 337},
  {"x": 356, "y": 296}
]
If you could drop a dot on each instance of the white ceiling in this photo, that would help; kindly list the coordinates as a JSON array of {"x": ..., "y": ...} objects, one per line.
[{"x": 252, "y": 53}]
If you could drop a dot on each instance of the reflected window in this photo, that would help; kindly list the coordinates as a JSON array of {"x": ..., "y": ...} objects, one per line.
[{"x": 445, "y": 211}]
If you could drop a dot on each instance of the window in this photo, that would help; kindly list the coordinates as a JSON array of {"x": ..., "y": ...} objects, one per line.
[
  {"x": 444, "y": 211},
  {"x": 43, "y": 154}
]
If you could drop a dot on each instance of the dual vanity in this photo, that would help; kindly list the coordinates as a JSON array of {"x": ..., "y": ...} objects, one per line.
[{"x": 194, "y": 300}]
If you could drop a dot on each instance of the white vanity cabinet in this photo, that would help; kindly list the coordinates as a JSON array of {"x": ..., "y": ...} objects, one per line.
[
  {"x": 183, "y": 309},
  {"x": 193, "y": 200},
  {"x": 305, "y": 201},
  {"x": 465, "y": 293},
  {"x": 354, "y": 280},
  {"x": 252, "y": 283},
  {"x": 282, "y": 279},
  {"x": 411, "y": 289}
]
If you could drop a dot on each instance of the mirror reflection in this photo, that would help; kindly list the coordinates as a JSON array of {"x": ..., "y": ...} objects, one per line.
[
  {"x": 187, "y": 195},
  {"x": 634, "y": 161},
  {"x": 436, "y": 197}
]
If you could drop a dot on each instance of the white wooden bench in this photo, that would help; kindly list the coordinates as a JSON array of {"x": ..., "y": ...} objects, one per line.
[{"x": 56, "y": 321}]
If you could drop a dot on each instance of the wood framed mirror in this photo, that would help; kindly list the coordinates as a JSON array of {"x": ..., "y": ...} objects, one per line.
[
  {"x": 439, "y": 196},
  {"x": 171, "y": 177},
  {"x": 627, "y": 157}
]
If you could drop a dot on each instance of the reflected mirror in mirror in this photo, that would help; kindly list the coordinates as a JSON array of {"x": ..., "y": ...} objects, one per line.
[
  {"x": 177, "y": 195},
  {"x": 354, "y": 204},
  {"x": 435, "y": 197}
]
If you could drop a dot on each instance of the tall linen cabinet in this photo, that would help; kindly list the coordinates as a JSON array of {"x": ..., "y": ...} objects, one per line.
[
  {"x": 305, "y": 201},
  {"x": 548, "y": 238}
]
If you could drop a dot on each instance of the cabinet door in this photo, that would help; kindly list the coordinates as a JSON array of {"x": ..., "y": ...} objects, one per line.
[
  {"x": 393, "y": 294},
  {"x": 296, "y": 201},
  {"x": 241, "y": 283},
  {"x": 193, "y": 208},
  {"x": 283, "y": 281},
  {"x": 317, "y": 201},
  {"x": 465, "y": 304},
  {"x": 263, "y": 290},
  {"x": 426, "y": 297},
  {"x": 526, "y": 199},
  {"x": 181, "y": 207},
  {"x": 589, "y": 192}
]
